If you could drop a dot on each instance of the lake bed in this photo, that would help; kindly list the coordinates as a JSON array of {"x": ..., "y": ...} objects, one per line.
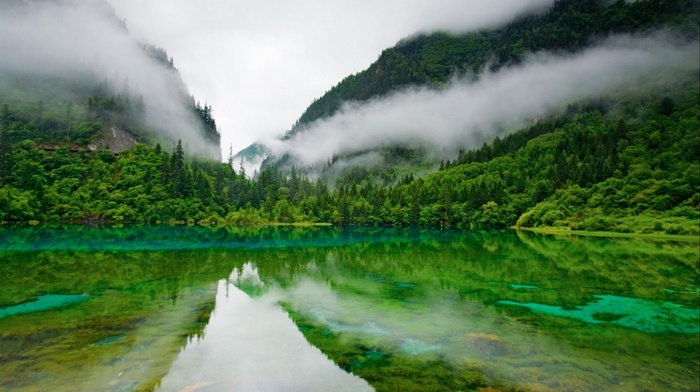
[{"x": 198, "y": 309}]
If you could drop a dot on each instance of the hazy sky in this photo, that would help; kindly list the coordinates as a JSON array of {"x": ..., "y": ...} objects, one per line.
[{"x": 261, "y": 63}]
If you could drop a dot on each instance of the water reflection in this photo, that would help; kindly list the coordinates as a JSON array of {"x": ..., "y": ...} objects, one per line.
[
  {"x": 429, "y": 314},
  {"x": 646, "y": 316},
  {"x": 251, "y": 344},
  {"x": 112, "y": 342},
  {"x": 443, "y": 341},
  {"x": 395, "y": 310}
]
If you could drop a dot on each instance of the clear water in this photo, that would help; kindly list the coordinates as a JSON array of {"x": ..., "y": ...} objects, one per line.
[
  {"x": 194, "y": 309},
  {"x": 644, "y": 315},
  {"x": 43, "y": 302}
]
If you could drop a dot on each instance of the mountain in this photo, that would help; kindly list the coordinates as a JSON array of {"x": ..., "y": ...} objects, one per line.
[
  {"x": 73, "y": 76},
  {"x": 431, "y": 66},
  {"x": 599, "y": 135}
]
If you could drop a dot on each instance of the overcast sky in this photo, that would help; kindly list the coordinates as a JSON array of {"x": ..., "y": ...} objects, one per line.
[{"x": 261, "y": 63}]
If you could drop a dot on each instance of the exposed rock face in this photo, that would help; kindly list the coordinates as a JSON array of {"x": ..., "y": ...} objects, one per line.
[{"x": 114, "y": 139}]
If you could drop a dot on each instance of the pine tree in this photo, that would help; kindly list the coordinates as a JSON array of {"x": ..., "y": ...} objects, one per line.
[
  {"x": 4, "y": 144},
  {"x": 177, "y": 171}
]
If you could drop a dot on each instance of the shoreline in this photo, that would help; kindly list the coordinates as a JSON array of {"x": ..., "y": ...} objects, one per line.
[{"x": 608, "y": 234}]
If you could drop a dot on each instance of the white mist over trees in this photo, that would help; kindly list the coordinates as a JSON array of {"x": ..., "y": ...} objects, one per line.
[
  {"x": 84, "y": 43},
  {"x": 265, "y": 61},
  {"x": 469, "y": 112}
]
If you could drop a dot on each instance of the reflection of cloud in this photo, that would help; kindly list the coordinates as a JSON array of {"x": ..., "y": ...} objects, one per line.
[
  {"x": 252, "y": 345},
  {"x": 466, "y": 335},
  {"x": 248, "y": 280},
  {"x": 467, "y": 113},
  {"x": 84, "y": 42}
]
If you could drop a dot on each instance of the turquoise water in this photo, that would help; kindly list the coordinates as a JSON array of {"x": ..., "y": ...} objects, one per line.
[
  {"x": 195, "y": 309},
  {"x": 43, "y": 302},
  {"x": 646, "y": 316}
]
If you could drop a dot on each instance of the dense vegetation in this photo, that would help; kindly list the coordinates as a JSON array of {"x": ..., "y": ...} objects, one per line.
[
  {"x": 631, "y": 166},
  {"x": 628, "y": 162},
  {"x": 433, "y": 59}
]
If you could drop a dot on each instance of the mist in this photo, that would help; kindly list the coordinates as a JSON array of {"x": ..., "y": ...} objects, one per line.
[
  {"x": 85, "y": 43},
  {"x": 283, "y": 54},
  {"x": 471, "y": 111}
]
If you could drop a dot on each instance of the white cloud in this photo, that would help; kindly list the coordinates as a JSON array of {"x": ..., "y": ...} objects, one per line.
[
  {"x": 468, "y": 113},
  {"x": 261, "y": 63}
]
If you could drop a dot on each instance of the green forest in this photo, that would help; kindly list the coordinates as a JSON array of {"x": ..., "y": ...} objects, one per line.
[
  {"x": 627, "y": 162},
  {"x": 433, "y": 59},
  {"x": 628, "y": 167}
]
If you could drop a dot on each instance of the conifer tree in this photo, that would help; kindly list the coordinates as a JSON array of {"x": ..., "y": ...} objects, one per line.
[{"x": 4, "y": 144}]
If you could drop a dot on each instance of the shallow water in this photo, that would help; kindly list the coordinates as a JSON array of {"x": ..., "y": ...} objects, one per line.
[{"x": 194, "y": 309}]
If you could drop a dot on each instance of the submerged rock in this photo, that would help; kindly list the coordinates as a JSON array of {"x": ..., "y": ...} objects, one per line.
[{"x": 487, "y": 343}]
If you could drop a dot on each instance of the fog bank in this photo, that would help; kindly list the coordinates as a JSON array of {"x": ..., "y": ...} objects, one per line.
[{"x": 467, "y": 113}]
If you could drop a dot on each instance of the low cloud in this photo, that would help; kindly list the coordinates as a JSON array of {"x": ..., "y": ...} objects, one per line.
[
  {"x": 462, "y": 16},
  {"x": 265, "y": 61},
  {"x": 85, "y": 43},
  {"x": 468, "y": 113}
]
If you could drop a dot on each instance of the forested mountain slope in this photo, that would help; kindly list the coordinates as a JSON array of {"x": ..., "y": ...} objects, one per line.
[
  {"x": 72, "y": 76},
  {"x": 628, "y": 166},
  {"x": 626, "y": 160},
  {"x": 433, "y": 61}
]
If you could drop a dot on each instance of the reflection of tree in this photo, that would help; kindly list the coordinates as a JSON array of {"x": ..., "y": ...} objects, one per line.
[
  {"x": 634, "y": 267},
  {"x": 154, "y": 285},
  {"x": 481, "y": 266},
  {"x": 144, "y": 307}
]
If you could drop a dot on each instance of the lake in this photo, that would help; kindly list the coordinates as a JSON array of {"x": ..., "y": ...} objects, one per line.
[{"x": 288, "y": 309}]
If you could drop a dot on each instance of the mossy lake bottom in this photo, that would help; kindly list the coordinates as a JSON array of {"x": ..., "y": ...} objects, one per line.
[{"x": 316, "y": 309}]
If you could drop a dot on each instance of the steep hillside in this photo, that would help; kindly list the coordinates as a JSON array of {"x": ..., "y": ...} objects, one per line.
[
  {"x": 432, "y": 59},
  {"x": 75, "y": 77},
  {"x": 593, "y": 138},
  {"x": 627, "y": 163},
  {"x": 435, "y": 61}
]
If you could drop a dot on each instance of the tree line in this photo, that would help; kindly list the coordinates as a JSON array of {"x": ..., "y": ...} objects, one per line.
[{"x": 628, "y": 166}]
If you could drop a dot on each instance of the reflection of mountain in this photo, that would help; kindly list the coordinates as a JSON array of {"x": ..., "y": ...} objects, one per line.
[
  {"x": 392, "y": 306},
  {"x": 143, "y": 308},
  {"x": 482, "y": 266},
  {"x": 252, "y": 345},
  {"x": 425, "y": 315}
]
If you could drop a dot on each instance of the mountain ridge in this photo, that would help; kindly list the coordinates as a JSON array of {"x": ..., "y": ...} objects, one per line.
[{"x": 432, "y": 60}]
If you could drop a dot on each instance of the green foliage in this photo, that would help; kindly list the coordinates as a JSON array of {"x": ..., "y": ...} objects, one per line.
[
  {"x": 625, "y": 162},
  {"x": 432, "y": 59},
  {"x": 589, "y": 171}
]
